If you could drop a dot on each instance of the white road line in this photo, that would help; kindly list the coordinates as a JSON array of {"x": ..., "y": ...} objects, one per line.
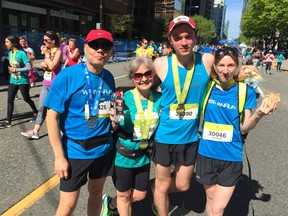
[{"x": 119, "y": 77}]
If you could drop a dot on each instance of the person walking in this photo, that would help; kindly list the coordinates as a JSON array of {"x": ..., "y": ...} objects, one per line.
[
  {"x": 31, "y": 55},
  {"x": 280, "y": 58},
  {"x": 219, "y": 160},
  {"x": 78, "y": 105},
  {"x": 73, "y": 53},
  {"x": 269, "y": 57},
  {"x": 132, "y": 163},
  {"x": 19, "y": 68},
  {"x": 143, "y": 51},
  {"x": 52, "y": 66}
]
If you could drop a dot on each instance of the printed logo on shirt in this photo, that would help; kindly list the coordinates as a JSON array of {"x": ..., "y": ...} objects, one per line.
[{"x": 224, "y": 105}]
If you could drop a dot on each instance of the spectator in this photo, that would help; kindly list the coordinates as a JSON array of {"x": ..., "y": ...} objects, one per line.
[
  {"x": 73, "y": 53},
  {"x": 280, "y": 58},
  {"x": 143, "y": 51}
]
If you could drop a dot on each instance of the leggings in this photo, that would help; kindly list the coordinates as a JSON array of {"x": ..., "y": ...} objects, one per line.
[
  {"x": 12, "y": 91},
  {"x": 41, "y": 109},
  {"x": 268, "y": 66}
]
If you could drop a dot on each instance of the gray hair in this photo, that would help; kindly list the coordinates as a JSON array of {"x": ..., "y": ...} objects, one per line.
[{"x": 136, "y": 62}]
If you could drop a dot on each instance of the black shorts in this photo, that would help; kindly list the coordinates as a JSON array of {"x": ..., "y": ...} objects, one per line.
[
  {"x": 167, "y": 154},
  {"x": 212, "y": 171},
  {"x": 126, "y": 178},
  {"x": 79, "y": 169}
]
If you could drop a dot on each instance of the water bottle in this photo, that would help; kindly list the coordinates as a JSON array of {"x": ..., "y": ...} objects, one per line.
[{"x": 118, "y": 107}]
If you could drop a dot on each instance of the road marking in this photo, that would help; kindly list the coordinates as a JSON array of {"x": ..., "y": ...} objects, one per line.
[
  {"x": 31, "y": 198},
  {"x": 119, "y": 77}
]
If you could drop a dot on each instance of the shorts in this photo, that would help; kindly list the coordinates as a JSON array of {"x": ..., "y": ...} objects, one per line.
[
  {"x": 126, "y": 178},
  {"x": 211, "y": 171},
  {"x": 167, "y": 154},
  {"x": 79, "y": 169}
]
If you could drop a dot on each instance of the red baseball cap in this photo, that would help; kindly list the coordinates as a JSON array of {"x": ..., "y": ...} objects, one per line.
[
  {"x": 99, "y": 34},
  {"x": 181, "y": 19}
]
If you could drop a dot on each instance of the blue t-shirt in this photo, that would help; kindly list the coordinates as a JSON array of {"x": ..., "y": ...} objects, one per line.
[
  {"x": 68, "y": 96},
  {"x": 222, "y": 108},
  {"x": 280, "y": 58},
  {"x": 130, "y": 114},
  {"x": 181, "y": 131}
]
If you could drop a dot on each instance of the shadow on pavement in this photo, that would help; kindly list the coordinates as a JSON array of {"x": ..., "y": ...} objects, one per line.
[{"x": 194, "y": 200}]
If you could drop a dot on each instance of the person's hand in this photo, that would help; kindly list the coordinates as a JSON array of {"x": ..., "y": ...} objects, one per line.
[
  {"x": 245, "y": 72},
  {"x": 61, "y": 167},
  {"x": 44, "y": 50},
  {"x": 44, "y": 65},
  {"x": 11, "y": 69},
  {"x": 267, "y": 107}
]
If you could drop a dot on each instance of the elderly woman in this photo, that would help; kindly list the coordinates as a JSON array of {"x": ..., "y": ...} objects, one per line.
[
  {"x": 132, "y": 162},
  {"x": 219, "y": 160}
]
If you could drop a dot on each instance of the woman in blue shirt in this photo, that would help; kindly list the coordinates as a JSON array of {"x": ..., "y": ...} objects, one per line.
[{"x": 219, "y": 160}]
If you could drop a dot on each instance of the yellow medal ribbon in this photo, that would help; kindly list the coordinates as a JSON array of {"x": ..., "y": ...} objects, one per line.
[
  {"x": 145, "y": 122},
  {"x": 181, "y": 96}
]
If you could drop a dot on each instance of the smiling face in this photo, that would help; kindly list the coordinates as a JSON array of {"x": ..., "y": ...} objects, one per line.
[
  {"x": 143, "y": 78},
  {"x": 225, "y": 69},
  {"x": 183, "y": 39}
]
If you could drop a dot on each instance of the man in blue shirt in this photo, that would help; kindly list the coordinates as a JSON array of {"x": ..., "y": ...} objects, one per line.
[{"x": 79, "y": 99}]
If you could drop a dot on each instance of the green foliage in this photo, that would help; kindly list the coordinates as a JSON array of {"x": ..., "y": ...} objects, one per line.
[
  {"x": 206, "y": 28},
  {"x": 263, "y": 18},
  {"x": 120, "y": 23}
]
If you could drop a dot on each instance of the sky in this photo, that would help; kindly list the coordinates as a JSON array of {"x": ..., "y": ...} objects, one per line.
[{"x": 233, "y": 14}]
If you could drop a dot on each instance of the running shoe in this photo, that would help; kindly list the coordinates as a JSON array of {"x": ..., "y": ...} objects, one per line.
[
  {"x": 31, "y": 134},
  {"x": 106, "y": 211},
  {"x": 5, "y": 124}
]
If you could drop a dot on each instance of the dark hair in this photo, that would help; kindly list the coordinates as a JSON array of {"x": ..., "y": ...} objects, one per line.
[
  {"x": 22, "y": 38},
  {"x": 14, "y": 40},
  {"x": 167, "y": 44},
  {"x": 53, "y": 36},
  {"x": 255, "y": 50},
  {"x": 226, "y": 51}
]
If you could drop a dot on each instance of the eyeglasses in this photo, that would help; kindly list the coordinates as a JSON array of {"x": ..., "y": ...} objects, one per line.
[
  {"x": 47, "y": 40},
  {"x": 226, "y": 50},
  {"x": 106, "y": 46},
  {"x": 138, "y": 76}
]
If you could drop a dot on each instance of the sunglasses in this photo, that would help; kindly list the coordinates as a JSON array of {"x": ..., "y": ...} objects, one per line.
[
  {"x": 226, "y": 50},
  {"x": 139, "y": 76},
  {"x": 47, "y": 40},
  {"x": 106, "y": 46}
]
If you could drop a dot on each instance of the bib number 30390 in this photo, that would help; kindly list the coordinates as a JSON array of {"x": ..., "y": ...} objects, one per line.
[{"x": 190, "y": 112}]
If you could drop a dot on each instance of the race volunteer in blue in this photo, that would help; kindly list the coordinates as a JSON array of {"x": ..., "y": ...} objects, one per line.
[{"x": 80, "y": 98}]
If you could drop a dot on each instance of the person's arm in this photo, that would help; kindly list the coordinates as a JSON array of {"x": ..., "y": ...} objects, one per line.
[
  {"x": 251, "y": 120},
  {"x": 52, "y": 64},
  {"x": 75, "y": 54},
  {"x": 161, "y": 67},
  {"x": 61, "y": 165},
  {"x": 208, "y": 60},
  {"x": 26, "y": 68}
]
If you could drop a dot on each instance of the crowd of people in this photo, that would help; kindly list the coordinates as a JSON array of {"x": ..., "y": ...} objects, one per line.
[{"x": 161, "y": 115}]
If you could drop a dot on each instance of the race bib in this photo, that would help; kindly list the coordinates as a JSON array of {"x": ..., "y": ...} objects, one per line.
[
  {"x": 47, "y": 76},
  {"x": 104, "y": 108},
  {"x": 217, "y": 132},
  {"x": 190, "y": 112}
]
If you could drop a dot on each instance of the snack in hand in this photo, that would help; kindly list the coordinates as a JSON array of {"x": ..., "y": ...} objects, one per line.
[
  {"x": 275, "y": 97},
  {"x": 254, "y": 74}
]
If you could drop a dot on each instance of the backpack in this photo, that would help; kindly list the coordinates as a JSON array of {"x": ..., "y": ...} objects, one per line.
[{"x": 242, "y": 95}]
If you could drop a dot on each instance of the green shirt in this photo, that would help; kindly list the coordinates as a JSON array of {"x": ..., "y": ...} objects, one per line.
[
  {"x": 21, "y": 59},
  {"x": 130, "y": 113}
]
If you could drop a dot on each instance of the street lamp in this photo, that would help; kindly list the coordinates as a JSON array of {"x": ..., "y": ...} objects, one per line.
[{"x": 277, "y": 34}]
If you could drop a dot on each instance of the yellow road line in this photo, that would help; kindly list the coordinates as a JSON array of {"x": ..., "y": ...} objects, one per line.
[{"x": 31, "y": 198}]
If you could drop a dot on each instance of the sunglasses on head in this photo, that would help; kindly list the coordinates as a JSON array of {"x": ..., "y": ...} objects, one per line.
[
  {"x": 105, "y": 45},
  {"x": 226, "y": 50},
  {"x": 138, "y": 76}
]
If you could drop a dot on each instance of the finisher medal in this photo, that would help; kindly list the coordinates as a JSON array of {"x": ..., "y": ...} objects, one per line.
[
  {"x": 92, "y": 122},
  {"x": 144, "y": 144},
  {"x": 180, "y": 110}
]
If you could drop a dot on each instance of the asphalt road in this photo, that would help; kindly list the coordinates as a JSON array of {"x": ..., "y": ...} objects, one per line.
[{"x": 26, "y": 164}]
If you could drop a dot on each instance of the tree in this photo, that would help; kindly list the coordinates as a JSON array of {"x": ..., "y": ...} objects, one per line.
[
  {"x": 206, "y": 28},
  {"x": 263, "y": 18},
  {"x": 121, "y": 23}
]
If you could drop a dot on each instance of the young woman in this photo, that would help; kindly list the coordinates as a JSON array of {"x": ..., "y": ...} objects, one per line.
[
  {"x": 19, "y": 68},
  {"x": 132, "y": 162},
  {"x": 219, "y": 160},
  {"x": 52, "y": 66}
]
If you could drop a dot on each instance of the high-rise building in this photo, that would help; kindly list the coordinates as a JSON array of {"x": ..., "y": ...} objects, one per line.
[{"x": 218, "y": 16}]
